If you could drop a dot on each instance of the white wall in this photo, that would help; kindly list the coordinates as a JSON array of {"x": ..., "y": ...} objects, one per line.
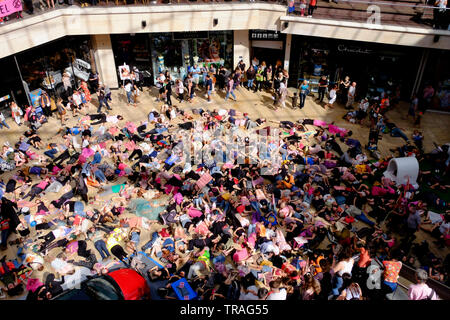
[
  {"x": 241, "y": 50},
  {"x": 104, "y": 59}
]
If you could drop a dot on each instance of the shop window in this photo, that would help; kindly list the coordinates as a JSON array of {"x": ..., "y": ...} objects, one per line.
[{"x": 56, "y": 67}]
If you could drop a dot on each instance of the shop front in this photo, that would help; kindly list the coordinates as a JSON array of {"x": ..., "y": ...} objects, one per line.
[
  {"x": 42, "y": 68},
  {"x": 11, "y": 87},
  {"x": 376, "y": 68},
  {"x": 56, "y": 67},
  {"x": 267, "y": 46},
  {"x": 175, "y": 52},
  {"x": 437, "y": 74}
]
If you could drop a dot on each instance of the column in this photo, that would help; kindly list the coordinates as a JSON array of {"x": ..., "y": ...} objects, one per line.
[
  {"x": 287, "y": 51},
  {"x": 104, "y": 59},
  {"x": 241, "y": 47}
]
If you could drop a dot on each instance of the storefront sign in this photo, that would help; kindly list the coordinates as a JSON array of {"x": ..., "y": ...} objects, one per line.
[
  {"x": 190, "y": 35},
  {"x": 8, "y": 7},
  {"x": 344, "y": 48},
  {"x": 264, "y": 35}
]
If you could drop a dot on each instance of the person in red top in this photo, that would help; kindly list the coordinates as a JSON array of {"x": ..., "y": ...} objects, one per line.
[{"x": 312, "y": 7}]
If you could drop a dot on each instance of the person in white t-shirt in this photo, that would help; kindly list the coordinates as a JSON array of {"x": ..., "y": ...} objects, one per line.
[
  {"x": 129, "y": 87},
  {"x": 276, "y": 292},
  {"x": 351, "y": 96}
]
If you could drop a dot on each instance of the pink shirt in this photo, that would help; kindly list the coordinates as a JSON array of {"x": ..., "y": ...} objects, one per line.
[
  {"x": 421, "y": 291},
  {"x": 42, "y": 184}
]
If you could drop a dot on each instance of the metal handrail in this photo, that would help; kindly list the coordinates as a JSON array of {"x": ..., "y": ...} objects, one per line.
[{"x": 442, "y": 290}]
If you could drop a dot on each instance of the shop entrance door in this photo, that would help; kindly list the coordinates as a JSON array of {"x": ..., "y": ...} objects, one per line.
[{"x": 270, "y": 56}]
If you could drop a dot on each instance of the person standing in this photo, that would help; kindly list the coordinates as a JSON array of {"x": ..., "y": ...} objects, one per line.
[
  {"x": 413, "y": 107},
  {"x": 420, "y": 290},
  {"x": 304, "y": 90},
  {"x": 107, "y": 92},
  {"x": 413, "y": 223},
  {"x": 332, "y": 97},
  {"x": 168, "y": 91},
  {"x": 61, "y": 110},
  {"x": 276, "y": 86},
  {"x": 428, "y": 94},
  {"x": 45, "y": 104},
  {"x": 3, "y": 121},
  {"x": 241, "y": 66},
  {"x": 179, "y": 88},
  {"x": 302, "y": 7},
  {"x": 87, "y": 93},
  {"x": 16, "y": 113},
  {"x": 129, "y": 92},
  {"x": 93, "y": 81},
  {"x": 221, "y": 77},
  {"x": 259, "y": 79},
  {"x": 196, "y": 74},
  {"x": 251, "y": 75},
  {"x": 312, "y": 7},
  {"x": 102, "y": 99},
  {"x": 237, "y": 77},
  {"x": 283, "y": 95},
  {"x": 209, "y": 87},
  {"x": 390, "y": 275},
  {"x": 230, "y": 88},
  {"x": 190, "y": 90},
  {"x": 343, "y": 89},
  {"x": 323, "y": 85},
  {"x": 439, "y": 14},
  {"x": 351, "y": 96}
]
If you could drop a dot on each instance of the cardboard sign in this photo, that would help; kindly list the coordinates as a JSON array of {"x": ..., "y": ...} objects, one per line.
[{"x": 8, "y": 7}]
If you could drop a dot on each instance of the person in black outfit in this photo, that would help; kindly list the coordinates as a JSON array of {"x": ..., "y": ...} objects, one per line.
[
  {"x": 8, "y": 211},
  {"x": 168, "y": 91},
  {"x": 323, "y": 84},
  {"x": 102, "y": 99}
]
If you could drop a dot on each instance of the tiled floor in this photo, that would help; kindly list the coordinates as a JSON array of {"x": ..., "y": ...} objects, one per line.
[{"x": 435, "y": 126}]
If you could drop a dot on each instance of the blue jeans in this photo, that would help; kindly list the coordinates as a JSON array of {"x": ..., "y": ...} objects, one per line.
[
  {"x": 337, "y": 284},
  {"x": 100, "y": 245},
  {"x": 3, "y": 123},
  {"x": 78, "y": 208},
  {"x": 100, "y": 175},
  {"x": 363, "y": 218},
  {"x": 97, "y": 158},
  {"x": 250, "y": 83},
  {"x": 390, "y": 286},
  {"x": 151, "y": 242},
  {"x": 5, "y": 234},
  {"x": 129, "y": 97},
  {"x": 51, "y": 153},
  {"x": 396, "y": 132},
  {"x": 102, "y": 102},
  {"x": 302, "y": 100},
  {"x": 218, "y": 259},
  {"x": 228, "y": 94}
]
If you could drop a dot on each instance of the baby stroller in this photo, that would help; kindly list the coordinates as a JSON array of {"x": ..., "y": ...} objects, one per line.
[{"x": 372, "y": 146}]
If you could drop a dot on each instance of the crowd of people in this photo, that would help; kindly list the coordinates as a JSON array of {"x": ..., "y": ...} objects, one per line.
[{"x": 241, "y": 208}]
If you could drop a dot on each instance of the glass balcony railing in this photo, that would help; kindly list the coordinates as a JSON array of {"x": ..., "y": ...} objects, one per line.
[{"x": 419, "y": 13}]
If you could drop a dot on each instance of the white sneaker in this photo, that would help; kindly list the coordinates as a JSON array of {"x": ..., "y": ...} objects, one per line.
[{"x": 309, "y": 16}]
